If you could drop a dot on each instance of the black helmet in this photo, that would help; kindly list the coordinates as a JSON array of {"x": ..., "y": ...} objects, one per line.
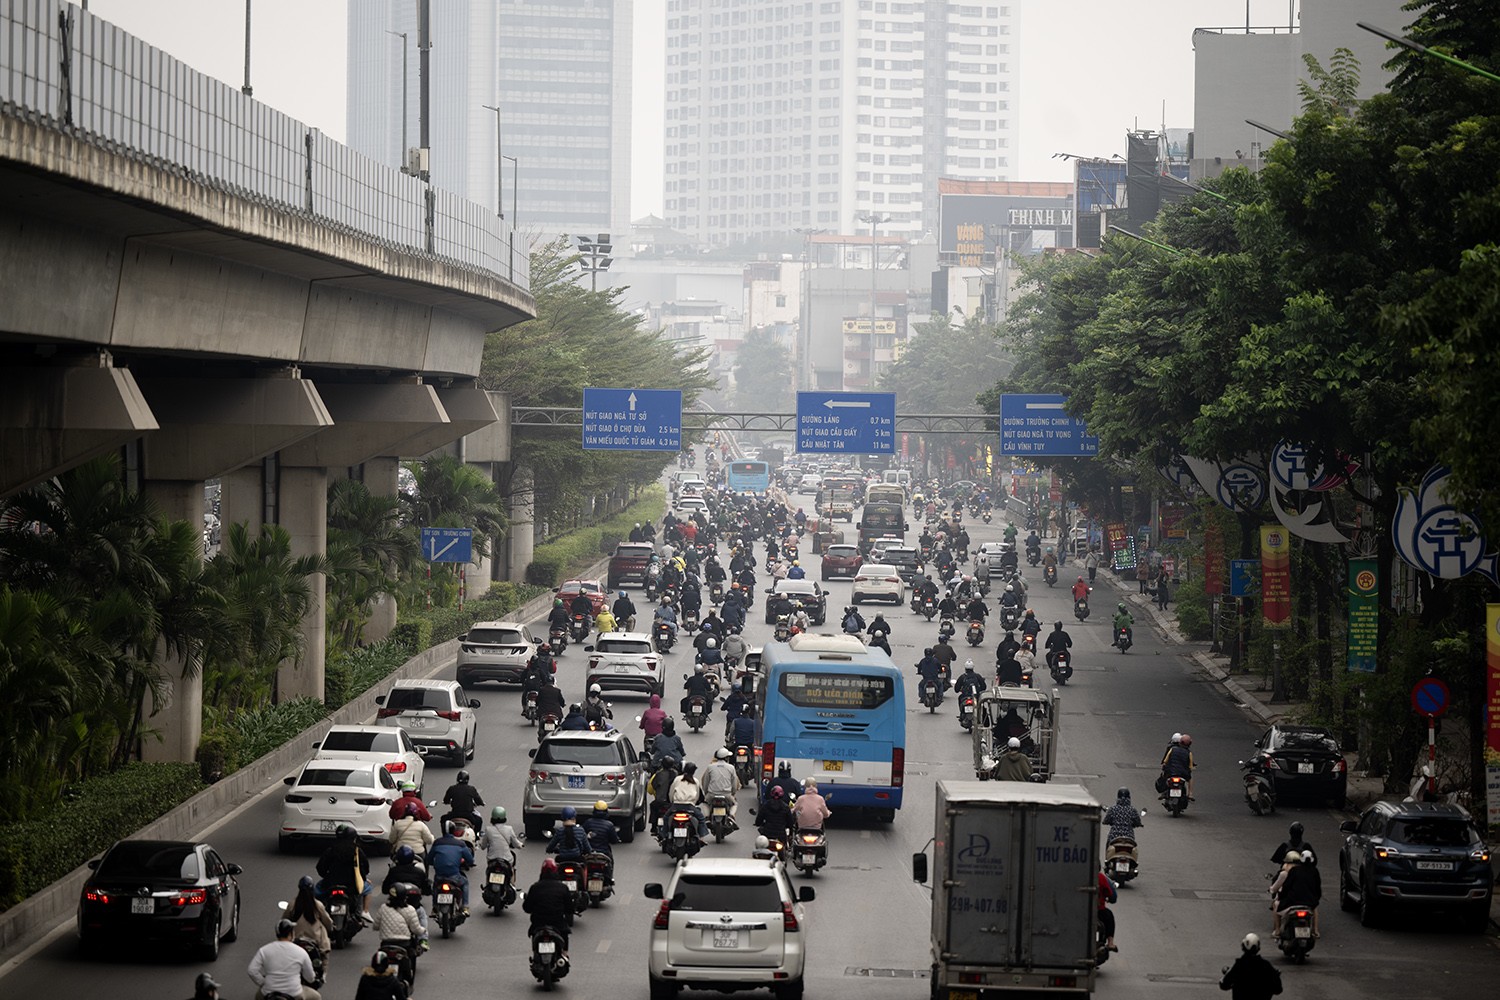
[
  {"x": 1296, "y": 832},
  {"x": 305, "y": 882},
  {"x": 404, "y": 855},
  {"x": 463, "y": 777},
  {"x": 380, "y": 961},
  {"x": 1123, "y": 793},
  {"x": 927, "y": 651},
  {"x": 284, "y": 928},
  {"x": 203, "y": 984},
  {"x": 668, "y": 726},
  {"x": 346, "y": 832}
]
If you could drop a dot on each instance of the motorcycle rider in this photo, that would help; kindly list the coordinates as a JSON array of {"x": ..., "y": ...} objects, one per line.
[
  {"x": 582, "y": 605},
  {"x": 880, "y": 633},
  {"x": 710, "y": 656},
  {"x": 720, "y": 778},
  {"x": 775, "y": 817},
  {"x": 746, "y": 731},
  {"x": 1251, "y": 977},
  {"x": 1298, "y": 886},
  {"x": 410, "y": 797},
  {"x": 712, "y": 626},
  {"x": 943, "y": 652},
  {"x": 499, "y": 839},
  {"x": 550, "y": 700},
  {"x": 665, "y": 613},
  {"x": 1123, "y": 620},
  {"x": 1013, "y": 764},
  {"x": 449, "y": 858},
  {"x": 345, "y": 864},
  {"x": 1030, "y": 626},
  {"x": 686, "y": 793},
  {"x": 624, "y": 610},
  {"x": 1007, "y": 647},
  {"x": 762, "y": 850},
  {"x": 558, "y": 616},
  {"x": 541, "y": 665},
  {"x": 312, "y": 920},
  {"x": 653, "y": 718},
  {"x": 734, "y": 649},
  {"x": 734, "y": 705},
  {"x": 574, "y": 720},
  {"x": 396, "y": 922},
  {"x": 1293, "y": 842},
  {"x": 596, "y": 710},
  {"x": 409, "y": 832},
  {"x": 968, "y": 682},
  {"x": 927, "y": 588},
  {"x": 380, "y": 980},
  {"x": 698, "y": 686},
  {"x": 205, "y": 987},
  {"x": 1107, "y": 894},
  {"x": 1123, "y": 817},
  {"x": 931, "y": 670},
  {"x": 1057, "y": 641},
  {"x": 977, "y": 611},
  {"x": 550, "y": 904},
  {"x": 1010, "y": 599},
  {"x": 408, "y": 868},
  {"x": 810, "y": 811},
  {"x": 569, "y": 842},
  {"x": 1177, "y": 762},
  {"x": 796, "y": 572},
  {"x": 283, "y": 967},
  {"x": 605, "y": 622},
  {"x": 1080, "y": 591},
  {"x": 602, "y": 832},
  {"x": 463, "y": 801},
  {"x": 669, "y": 744},
  {"x": 854, "y": 622},
  {"x": 692, "y": 598}
]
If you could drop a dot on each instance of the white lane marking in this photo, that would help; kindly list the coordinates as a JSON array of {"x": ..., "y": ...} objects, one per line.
[
  {"x": 603, "y": 947},
  {"x": 501, "y": 768}
]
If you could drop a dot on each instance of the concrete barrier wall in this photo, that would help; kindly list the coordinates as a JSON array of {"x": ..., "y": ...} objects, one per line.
[{"x": 30, "y": 920}]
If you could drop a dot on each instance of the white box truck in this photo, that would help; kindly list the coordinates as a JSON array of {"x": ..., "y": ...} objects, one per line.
[{"x": 1014, "y": 889}]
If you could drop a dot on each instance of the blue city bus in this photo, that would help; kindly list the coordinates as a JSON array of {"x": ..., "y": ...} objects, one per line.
[
  {"x": 749, "y": 476},
  {"x": 835, "y": 710}
]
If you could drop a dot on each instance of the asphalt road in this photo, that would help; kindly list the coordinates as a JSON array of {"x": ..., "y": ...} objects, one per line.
[{"x": 1202, "y": 888}]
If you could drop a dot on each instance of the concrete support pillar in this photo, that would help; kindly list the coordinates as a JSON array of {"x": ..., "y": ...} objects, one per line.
[
  {"x": 177, "y": 714},
  {"x": 244, "y": 497},
  {"x": 381, "y": 480},
  {"x": 304, "y": 515},
  {"x": 520, "y": 541}
]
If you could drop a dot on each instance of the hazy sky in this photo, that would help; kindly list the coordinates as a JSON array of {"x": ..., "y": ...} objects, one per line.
[{"x": 1090, "y": 69}]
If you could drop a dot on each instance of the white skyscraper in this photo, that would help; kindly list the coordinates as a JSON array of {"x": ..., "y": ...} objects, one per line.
[
  {"x": 807, "y": 115},
  {"x": 559, "y": 70}
]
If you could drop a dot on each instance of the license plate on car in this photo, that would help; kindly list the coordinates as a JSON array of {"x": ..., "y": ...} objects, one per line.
[
  {"x": 1435, "y": 866},
  {"x": 726, "y": 939},
  {"x": 142, "y": 905},
  {"x": 497, "y": 878},
  {"x": 1302, "y": 932},
  {"x": 575, "y": 780},
  {"x": 419, "y": 723},
  {"x": 596, "y": 885},
  {"x": 833, "y": 765},
  {"x": 1175, "y": 793},
  {"x": 546, "y": 947},
  {"x": 1304, "y": 769},
  {"x": 327, "y": 826}
]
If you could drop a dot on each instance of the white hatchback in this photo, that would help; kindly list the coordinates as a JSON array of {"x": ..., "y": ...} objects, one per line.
[
  {"x": 878, "y": 582},
  {"x": 382, "y": 744},
  {"x": 727, "y": 924},
  {"x": 624, "y": 661},
  {"x": 329, "y": 793}
]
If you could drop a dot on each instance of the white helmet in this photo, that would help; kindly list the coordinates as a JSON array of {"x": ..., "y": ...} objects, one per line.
[
  {"x": 712, "y": 643},
  {"x": 595, "y": 689},
  {"x": 1251, "y": 943},
  {"x": 721, "y": 754},
  {"x": 698, "y": 668},
  {"x": 1013, "y": 743},
  {"x": 1176, "y": 737},
  {"x": 968, "y": 664},
  {"x": 1010, "y": 588}
]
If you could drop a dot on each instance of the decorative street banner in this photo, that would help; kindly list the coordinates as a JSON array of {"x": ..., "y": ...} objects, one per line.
[
  {"x": 1121, "y": 545},
  {"x": 1492, "y": 686},
  {"x": 1275, "y": 576},
  {"x": 1174, "y": 522},
  {"x": 1364, "y": 614},
  {"x": 1213, "y": 558}
]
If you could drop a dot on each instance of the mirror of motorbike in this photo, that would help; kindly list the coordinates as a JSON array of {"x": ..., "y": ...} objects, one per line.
[
  {"x": 1348, "y": 826},
  {"x": 653, "y": 890},
  {"x": 919, "y": 867}
]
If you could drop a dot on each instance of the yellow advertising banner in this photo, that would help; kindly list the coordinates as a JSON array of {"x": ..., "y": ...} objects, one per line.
[{"x": 1275, "y": 576}]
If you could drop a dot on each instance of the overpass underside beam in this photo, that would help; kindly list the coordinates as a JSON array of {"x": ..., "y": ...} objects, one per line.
[{"x": 966, "y": 424}]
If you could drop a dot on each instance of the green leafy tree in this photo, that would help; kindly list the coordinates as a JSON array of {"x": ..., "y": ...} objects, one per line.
[{"x": 369, "y": 548}]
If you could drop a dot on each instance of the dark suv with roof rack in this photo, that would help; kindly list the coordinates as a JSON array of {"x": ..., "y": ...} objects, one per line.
[{"x": 1415, "y": 854}]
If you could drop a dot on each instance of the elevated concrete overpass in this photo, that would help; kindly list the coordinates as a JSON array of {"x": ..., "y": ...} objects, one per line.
[{"x": 215, "y": 290}]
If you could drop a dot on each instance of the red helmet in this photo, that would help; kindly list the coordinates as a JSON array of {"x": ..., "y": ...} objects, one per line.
[
  {"x": 777, "y": 792},
  {"x": 1187, "y": 740},
  {"x": 549, "y": 868}
]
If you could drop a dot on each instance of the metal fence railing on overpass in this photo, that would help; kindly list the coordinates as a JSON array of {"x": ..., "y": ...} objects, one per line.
[
  {"x": 906, "y": 423},
  {"x": 68, "y": 69}
]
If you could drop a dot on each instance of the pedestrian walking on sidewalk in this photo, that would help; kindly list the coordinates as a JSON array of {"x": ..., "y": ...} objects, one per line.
[
  {"x": 1162, "y": 589},
  {"x": 1091, "y": 563},
  {"x": 1143, "y": 574}
]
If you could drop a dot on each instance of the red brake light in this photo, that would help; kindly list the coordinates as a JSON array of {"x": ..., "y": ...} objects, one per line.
[
  {"x": 193, "y": 897},
  {"x": 768, "y": 760},
  {"x": 95, "y": 896},
  {"x": 809, "y": 838},
  {"x": 1339, "y": 766},
  {"x": 445, "y": 886},
  {"x": 386, "y": 713},
  {"x": 662, "y": 914},
  {"x": 396, "y": 767},
  {"x": 337, "y": 892},
  {"x": 898, "y": 766},
  {"x": 680, "y": 817},
  {"x": 893, "y": 579},
  {"x": 1301, "y": 914},
  {"x": 534, "y": 776},
  {"x": 371, "y": 800},
  {"x": 788, "y": 918},
  {"x": 298, "y": 798},
  {"x": 450, "y": 716}
]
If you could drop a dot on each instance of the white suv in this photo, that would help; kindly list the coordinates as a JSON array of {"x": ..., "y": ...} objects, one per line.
[
  {"x": 624, "y": 661},
  {"x": 437, "y": 715},
  {"x": 726, "y": 924}
]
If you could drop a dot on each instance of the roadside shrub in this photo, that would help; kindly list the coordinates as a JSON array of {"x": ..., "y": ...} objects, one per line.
[
  {"x": 450, "y": 623},
  {"x": 372, "y": 664},
  {"x": 413, "y": 633},
  {"x": 256, "y": 732},
  {"x": 94, "y": 814},
  {"x": 216, "y": 755},
  {"x": 552, "y": 562},
  {"x": 1192, "y": 614}
]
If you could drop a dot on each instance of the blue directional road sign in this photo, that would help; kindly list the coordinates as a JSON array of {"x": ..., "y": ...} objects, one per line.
[
  {"x": 1242, "y": 574},
  {"x": 632, "y": 419},
  {"x": 1037, "y": 425},
  {"x": 451, "y": 545},
  {"x": 856, "y": 423}
]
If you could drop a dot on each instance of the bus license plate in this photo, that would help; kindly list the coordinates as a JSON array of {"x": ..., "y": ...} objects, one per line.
[
  {"x": 726, "y": 939},
  {"x": 833, "y": 765},
  {"x": 140, "y": 905}
]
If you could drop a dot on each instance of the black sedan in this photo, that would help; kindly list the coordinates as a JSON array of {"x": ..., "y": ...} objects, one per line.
[
  {"x": 803, "y": 595},
  {"x": 1305, "y": 761},
  {"x": 168, "y": 892}
]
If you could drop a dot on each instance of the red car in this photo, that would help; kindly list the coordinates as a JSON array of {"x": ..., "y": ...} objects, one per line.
[
  {"x": 841, "y": 560},
  {"x": 593, "y": 588}
]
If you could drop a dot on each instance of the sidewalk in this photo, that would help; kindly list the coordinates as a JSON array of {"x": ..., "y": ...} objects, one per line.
[{"x": 1245, "y": 690}]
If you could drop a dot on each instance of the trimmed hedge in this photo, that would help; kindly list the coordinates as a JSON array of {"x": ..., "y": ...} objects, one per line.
[
  {"x": 550, "y": 563},
  {"x": 37, "y": 852},
  {"x": 450, "y": 623}
]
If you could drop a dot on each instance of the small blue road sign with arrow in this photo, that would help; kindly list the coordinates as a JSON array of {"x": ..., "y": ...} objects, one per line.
[{"x": 449, "y": 545}]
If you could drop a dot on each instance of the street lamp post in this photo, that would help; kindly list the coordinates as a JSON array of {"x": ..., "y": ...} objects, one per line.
[
  {"x": 875, "y": 219},
  {"x": 804, "y": 312},
  {"x": 405, "y": 116},
  {"x": 246, "y": 89},
  {"x": 1422, "y": 50},
  {"x": 499, "y": 160}
]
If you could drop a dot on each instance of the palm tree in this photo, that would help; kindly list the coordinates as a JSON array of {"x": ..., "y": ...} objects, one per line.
[
  {"x": 452, "y": 494},
  {"x": 368, "y": 549}
]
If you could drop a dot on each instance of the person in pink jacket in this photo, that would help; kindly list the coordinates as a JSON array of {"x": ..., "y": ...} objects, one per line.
[{"x": 811, "y": 809}]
